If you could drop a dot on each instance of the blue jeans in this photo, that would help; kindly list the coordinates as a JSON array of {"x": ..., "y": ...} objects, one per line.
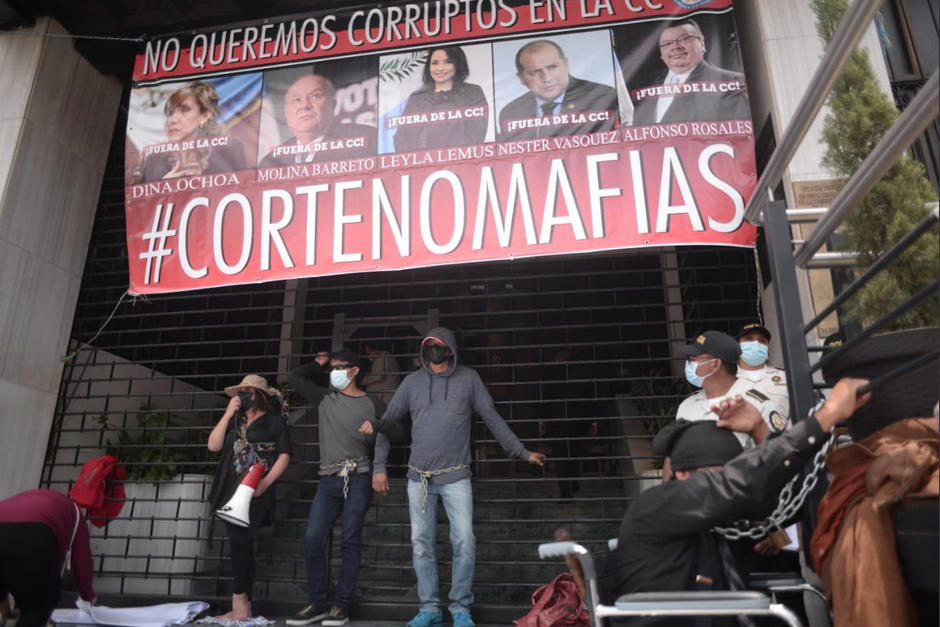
[
  {"x": 458, "y": 503},
  {"x": 328, "y": 504}
]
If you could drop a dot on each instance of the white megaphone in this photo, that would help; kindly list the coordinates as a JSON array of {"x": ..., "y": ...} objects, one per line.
[{"x": 238, "y": 508}]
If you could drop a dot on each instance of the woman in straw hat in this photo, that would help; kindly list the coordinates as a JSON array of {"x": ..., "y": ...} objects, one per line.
[{"x": 251, "y": 431}]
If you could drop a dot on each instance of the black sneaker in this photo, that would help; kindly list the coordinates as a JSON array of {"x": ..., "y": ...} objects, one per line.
[
  {"x": 310, "y": 614},
  {"x": 337, "y": 617}
]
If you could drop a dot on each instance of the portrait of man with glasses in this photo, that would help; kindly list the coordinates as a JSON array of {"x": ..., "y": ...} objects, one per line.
[{"x": 692, "y": 88}]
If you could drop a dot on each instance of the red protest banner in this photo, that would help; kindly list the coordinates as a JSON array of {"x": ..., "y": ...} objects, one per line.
[
  {"x": 545, "y": 199},
  {"x": 567, "y": 141}
]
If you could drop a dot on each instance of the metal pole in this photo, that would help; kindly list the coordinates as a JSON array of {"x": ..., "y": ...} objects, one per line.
[
  {"x": 843, "y": 43},
  {"x": 836, "y": 259},
  {"x": 895, "y": 251},
  {"x": 921, "y": 112},
  {"x": 879, "y": 324},
  {"x": 792, "y": 339}
]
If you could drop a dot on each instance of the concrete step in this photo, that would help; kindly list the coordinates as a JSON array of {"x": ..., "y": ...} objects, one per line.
[{"x": 511, "y": 517}]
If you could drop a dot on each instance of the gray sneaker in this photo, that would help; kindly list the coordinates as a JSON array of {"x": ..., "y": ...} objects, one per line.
[{"x": 310, "y": 614}]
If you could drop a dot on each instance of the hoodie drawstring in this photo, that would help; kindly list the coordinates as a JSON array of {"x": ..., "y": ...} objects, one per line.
[{"x": 431, "y": 383}]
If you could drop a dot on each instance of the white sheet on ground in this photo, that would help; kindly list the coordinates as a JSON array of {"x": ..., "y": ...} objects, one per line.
[{"x": 149, "y": 616}]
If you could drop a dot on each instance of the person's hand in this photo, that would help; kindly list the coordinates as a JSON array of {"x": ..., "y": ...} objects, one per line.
[
  {"x": 536, "y": 459},
  {"x": 667, "y": 469},
  {"x": 234, "y": 405},
  {"x": 260, "y": 489},
  {"x": 322, "y": 358},
  {"x": 184, "y": 168},
  {"x": 766, "y": 547},
  {"x": 380, "y": 482},
  {"x": 842, "y": 403},
  {"x": 736, "y": 414},
  {"x": 366, "y": 428}
]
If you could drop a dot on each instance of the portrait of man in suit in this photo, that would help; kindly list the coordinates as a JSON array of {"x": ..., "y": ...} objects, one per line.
[
  {"x": 556, "y": 102},
  {"x": 692, "y": 88},
  {"x": 309, "y": 111}
]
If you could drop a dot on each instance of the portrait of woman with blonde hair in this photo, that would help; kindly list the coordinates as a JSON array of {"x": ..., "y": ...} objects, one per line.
[{"x": 194, "y": 141}]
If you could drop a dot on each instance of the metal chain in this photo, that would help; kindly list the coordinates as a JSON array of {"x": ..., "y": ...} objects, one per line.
[
  {"x": 787, "y": 505},
  {"x": 344, "y": 467},
  {"x": 427, "y": 474}
]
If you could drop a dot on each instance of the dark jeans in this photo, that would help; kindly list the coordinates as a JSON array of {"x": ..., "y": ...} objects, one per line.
[
  {"x": 30, "y": 570},
  {"x": 327, "y": 505}
]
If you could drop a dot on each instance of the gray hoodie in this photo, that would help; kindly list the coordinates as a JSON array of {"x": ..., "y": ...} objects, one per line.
[{"x": 441, "y": 407}]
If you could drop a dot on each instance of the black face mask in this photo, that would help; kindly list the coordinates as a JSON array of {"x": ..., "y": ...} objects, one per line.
[
  {"x": 245, "y": 398},
  {"x": 436, "y": 353}
]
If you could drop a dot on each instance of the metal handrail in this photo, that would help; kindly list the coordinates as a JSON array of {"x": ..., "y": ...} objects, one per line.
[
  {"x": 909, "y": 125},
  {"x": 836, "y": 259},
  {"x": 804, "y": 215},
  {"x": 843, "y": 43},
  {"x": 902, "y": 245},
  {"x": 906, "y": 306}
]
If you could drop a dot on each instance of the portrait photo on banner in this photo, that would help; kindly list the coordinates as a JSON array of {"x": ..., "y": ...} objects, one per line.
[
  {"x": 438, "y": 97},
  {"x": 683, "y": 69},
  {"x": 555, "y": 85},
  {"x": 200, "y": 126},
  {"x": 319, "y": 112}
]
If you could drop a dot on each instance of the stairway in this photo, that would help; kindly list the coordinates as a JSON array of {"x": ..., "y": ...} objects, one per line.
[{"x": 511, "y": 517}]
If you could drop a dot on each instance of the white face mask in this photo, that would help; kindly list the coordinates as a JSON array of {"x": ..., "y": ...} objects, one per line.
[
  {"x": 753, "y": 353},
  {"x": 339, "y": 380},
  {"x": 690, "y": 372}
]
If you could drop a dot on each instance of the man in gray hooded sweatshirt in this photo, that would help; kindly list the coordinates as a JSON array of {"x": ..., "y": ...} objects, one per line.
[{"x": 441, "y": 397}]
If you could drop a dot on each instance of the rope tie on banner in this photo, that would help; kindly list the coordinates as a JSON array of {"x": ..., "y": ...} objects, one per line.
[
  {"x": 72, "y": 355},
  {"x": 427, "y": 474},
  {"x": 344, "y": 468},
  {"x": 760, "y": 283}
]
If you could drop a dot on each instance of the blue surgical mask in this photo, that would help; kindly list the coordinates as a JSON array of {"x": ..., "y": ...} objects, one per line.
[
  {"x": 691, "y": 377},
  {"x": 339, "y": 380},
  {"x": 754, "y": 353}
]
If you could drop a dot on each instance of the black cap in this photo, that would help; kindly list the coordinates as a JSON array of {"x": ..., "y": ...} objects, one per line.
[
  {"x": 347, "y": 355},
  {"x": 753, "y": 327},
  {"x": 716, "y": 343},
  {"x": 695, "y": 444}
]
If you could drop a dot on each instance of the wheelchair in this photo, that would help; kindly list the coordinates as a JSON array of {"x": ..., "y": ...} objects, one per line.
[{"x": 688, "y": 604}]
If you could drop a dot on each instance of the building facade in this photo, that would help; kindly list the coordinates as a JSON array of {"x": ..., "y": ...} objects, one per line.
[{"x": 577, "y": 350}]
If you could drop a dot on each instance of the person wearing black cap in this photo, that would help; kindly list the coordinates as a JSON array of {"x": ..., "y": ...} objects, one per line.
[
  {"x": 712, "y": 365},
  {"x": 664, "y": 542},
  {"x": 754, "y": 366},
  {"x": 331, "y": 386}
]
